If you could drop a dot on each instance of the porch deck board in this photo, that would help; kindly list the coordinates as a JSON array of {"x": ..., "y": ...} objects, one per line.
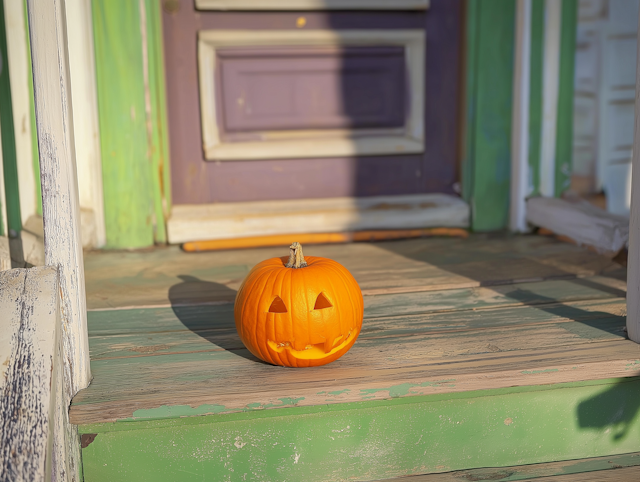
[{"x": 441, "y": 316}]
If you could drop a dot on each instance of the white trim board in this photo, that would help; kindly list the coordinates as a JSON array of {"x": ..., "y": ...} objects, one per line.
[
  {"x": 551, "y": 83},
  {"x": 234, "y": 220},
  {"x": 520, "y": 118},
  {"x": 84, "y": 96},
  {"x": 294, "y": 144},
  {"x": 312, "y": 4},
  {"x": 19, "y": 78}
]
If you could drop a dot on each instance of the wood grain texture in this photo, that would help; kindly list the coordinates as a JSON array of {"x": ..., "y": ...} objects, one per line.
[
  {"x": 121, "y": 279},
  {"x": 490, "y": 28},
  {"x": 375, "y": 440},
  {"x": 128, "y": 92},
  {"x": 82, "y": 69},
  {"x": 5, "y": 255},
  {"x": 580, "y": 221},
  {"x": 597, "y": 469},
  {"x": 63, "y": 246},
  {"x": 38, "y": 443},
  {"x": 231, "y": 220},
  {"x": 456, "y": 325}
]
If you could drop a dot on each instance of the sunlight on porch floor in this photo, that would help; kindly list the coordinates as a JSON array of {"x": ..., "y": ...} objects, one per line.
[{"x": 441, "y": 315}]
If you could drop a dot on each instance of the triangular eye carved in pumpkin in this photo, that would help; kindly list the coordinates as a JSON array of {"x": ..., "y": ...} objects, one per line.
[
  {"x": 277, "y": 306},
  {"x": 322, "y": 302}
]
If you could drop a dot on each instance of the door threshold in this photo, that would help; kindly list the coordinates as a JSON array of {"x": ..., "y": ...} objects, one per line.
[{"x": 199, "y": 222}]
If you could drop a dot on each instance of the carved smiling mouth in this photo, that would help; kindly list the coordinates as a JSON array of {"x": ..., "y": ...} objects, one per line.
[{"x": 311, "y": 352}]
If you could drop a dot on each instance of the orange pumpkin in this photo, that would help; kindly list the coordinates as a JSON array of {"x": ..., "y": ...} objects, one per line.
[{"x": 299, "y": 312}]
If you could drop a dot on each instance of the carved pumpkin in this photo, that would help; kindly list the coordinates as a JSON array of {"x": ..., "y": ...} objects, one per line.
[{"x": 299, "y": 312}]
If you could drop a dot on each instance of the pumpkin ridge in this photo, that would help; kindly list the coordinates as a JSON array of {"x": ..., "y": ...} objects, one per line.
[
  {"x": 264, "y": 278},
  {"x": 346, "y": 284},
  {"x": 282, "y": 278}
]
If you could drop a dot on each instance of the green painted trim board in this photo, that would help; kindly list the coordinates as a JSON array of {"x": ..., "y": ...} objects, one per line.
[
  {"x": 535, "y": 94},
  {"x": 9, "y": 153},
  {"x": 159, "y": 145},
  {"x": 490, "y": 44},
  {"x": 564, "y": 129},
  {"x": 132, "y": 119},
  {"x": 374, "y": 440}
]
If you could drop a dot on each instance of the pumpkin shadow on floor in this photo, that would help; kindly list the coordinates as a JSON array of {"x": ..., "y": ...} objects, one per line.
[{"x": 206, "y": 309}]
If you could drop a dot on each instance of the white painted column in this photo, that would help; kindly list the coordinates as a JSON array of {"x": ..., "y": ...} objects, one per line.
[
  {"x": 633, "y": 265},
  {"x": 550, "y": 87},
  {"x": 63, "y": 248},
  {"x": 520, "y": 118},
  {"x": 85, "y": 114}
]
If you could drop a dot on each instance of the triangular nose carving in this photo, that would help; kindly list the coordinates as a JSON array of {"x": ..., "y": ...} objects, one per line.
[
  {"x": 322, "y": 302},
  {"x": 277, "y": 306}
]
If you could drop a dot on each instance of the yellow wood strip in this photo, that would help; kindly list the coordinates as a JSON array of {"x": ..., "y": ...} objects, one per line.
[{"x": 321, "y": 238}]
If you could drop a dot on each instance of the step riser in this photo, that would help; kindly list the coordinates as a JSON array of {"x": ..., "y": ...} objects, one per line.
[{"x": 377, "y": 439}]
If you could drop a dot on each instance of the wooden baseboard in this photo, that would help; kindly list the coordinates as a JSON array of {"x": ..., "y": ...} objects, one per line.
[{"x": 309, "y": 216}]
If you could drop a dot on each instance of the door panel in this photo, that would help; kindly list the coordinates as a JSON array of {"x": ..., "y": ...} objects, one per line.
[
  {"x": 378, "y": 100},
  {"x": 312, "y": 88}
]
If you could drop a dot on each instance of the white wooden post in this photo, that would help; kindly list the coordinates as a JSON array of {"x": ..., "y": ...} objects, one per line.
[
  {"x": 520, "y": 118},
  {"x": 550, "y": 86},
  {"x": 633, "y": 265},
  {"x": 63, "y": 246}
]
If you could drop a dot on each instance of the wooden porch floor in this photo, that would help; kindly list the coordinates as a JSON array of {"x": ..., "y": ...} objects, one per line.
[{"x": 441, "y": 315}]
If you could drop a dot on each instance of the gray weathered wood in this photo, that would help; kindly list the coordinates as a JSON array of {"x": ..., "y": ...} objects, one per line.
[
  {"x": 5, "y": 254},
  {"x": 584, "y": 223},
  {"x": 63, "y": 247},
  {"x": 633, "y": 299},
  {"x": 38, "y": 443}
]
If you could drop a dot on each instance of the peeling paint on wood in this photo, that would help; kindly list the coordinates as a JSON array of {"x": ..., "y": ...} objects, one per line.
[
  {"x": 38, "y": 442},
  {"x": 374, "y": 440},
  {"x": 63, "y": 246}
]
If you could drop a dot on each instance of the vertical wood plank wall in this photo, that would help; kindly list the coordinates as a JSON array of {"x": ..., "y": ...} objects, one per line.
[
  {"x": 132, "y": 173},
  {"x": 489, "y": 80},
  {"x": 490, "y": 31}
]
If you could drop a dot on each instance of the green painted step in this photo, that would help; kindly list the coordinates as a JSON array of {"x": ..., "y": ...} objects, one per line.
[{"x": 374, "y": 440}]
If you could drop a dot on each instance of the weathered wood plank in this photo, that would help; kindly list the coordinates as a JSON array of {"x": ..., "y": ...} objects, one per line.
[
  {"x": 206, "y": 370},
  {"x": 184, "y": 316},
  {"x": 63, "y": 246},
  {"x": 374, "y": 440},
  {"x": 33, "y": 407},
  {"x": 596, "y": 469},
  {"x": 168, "y": 275}
]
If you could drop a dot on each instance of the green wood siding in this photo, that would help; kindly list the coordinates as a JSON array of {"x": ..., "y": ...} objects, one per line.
[
  {"x": 134, "y": 152},
  {"x": 487, "y": 164},
  {"x": 564, "y": 129},
  {"x": 489, "y": 80}
]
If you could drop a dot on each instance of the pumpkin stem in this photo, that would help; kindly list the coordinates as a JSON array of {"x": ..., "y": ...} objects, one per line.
[{"x": 296, "y": 258}]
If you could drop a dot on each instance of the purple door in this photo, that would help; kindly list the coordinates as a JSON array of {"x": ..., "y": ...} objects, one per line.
[{"x": 267, "y": 92}]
